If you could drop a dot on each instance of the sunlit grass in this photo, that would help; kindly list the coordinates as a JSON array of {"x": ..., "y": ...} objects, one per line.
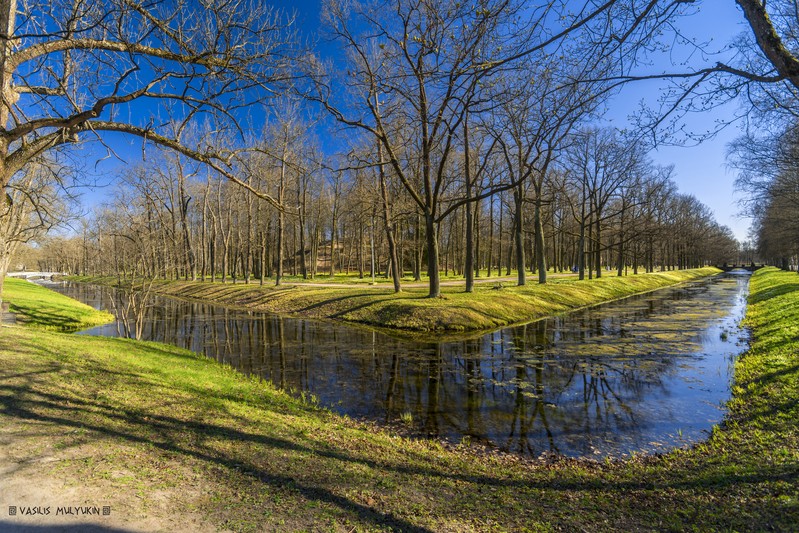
[
  {"x": 411, "y": 310},
  {"x": 45, "y": 309}
]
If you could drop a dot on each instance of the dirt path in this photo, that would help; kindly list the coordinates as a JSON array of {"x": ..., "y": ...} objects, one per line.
[{"x": 40, "y": 492}]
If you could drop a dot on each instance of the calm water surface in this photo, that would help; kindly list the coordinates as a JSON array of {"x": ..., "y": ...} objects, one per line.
[{"x": 643, "y": 374}]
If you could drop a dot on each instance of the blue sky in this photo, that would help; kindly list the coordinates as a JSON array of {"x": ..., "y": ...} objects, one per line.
[{"x": 700, "y": 170}]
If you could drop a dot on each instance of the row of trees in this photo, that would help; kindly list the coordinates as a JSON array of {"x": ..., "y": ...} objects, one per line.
[
  {"x": 601, "y": 206},
  {"x": 435, "y": 88},
  {"x": 769, "y": 175}
]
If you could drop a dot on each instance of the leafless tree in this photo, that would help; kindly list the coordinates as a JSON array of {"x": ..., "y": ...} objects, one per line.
[
  {"x": 33, "y": 204},
  {"x": 73, "y": 69},
  {"x": 76, "y": 69},
  {"x": 767, "y": 174}
]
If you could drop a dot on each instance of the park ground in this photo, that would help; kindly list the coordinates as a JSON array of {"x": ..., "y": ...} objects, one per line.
[{"x": 167, "y": 440}]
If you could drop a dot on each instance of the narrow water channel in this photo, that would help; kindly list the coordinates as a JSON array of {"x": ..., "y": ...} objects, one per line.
[{"x": 643, "y": 374}]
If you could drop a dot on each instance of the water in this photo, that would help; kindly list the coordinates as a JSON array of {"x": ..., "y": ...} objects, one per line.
[{"x": 643, "y": 374}]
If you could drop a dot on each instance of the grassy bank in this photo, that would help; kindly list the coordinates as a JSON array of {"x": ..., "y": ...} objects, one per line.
[
  {"x": 49, "y": 310},
  {"x": 155, "y": 429},
  {"x": 488, "y": 307}
]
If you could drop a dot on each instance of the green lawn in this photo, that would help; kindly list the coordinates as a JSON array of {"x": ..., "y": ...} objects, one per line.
[
  {"x": 154, "y": 422},
  {"x": 49, "y": 310}
]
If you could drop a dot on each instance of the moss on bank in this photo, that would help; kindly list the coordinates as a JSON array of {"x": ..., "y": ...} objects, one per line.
[
  {"x": 152, "y": 421},
  {"x": 488, "y": 307}
]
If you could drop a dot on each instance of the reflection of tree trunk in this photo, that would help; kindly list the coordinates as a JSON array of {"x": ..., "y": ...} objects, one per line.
[
  {"x": 281, "y": 343},
  {"x": 472, "y": 396},
  {"x": 192, "y": 320},
  {"x": 541, "y": 404},
  {"x": 264, "y": 342},
  {"x": 392, "y": 381},
  {"x": 433, "y": 392},
  {"x": 214, "y": 333},
  {"x": 519, "y": 412},
  {"x": 227, "y": 353}
]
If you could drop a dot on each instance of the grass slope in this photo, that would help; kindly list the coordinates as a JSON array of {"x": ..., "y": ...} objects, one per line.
[
  {"x": 411, "y": 311},
  {"x": 153, "y": 419},
  {"x": 44, "y": 309}
]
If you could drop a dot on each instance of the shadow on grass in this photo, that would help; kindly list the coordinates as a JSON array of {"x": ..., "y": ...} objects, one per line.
[
  {"x": 331, "y": 301},
  {"x": 779, "y": 290},
  {"x": 180, "y": 437},
  {"x": 53, "y": 321}
]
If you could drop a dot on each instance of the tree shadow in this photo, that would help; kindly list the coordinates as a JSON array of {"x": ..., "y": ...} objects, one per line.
[
  {"x": 53, "y": 321},
  {"x": 168, "y": 433},
  {"x": 353, "y": 297},
  {"x": 779, "y": 290}
]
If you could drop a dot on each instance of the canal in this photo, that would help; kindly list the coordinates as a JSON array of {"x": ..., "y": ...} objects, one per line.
[{"x": 642, "y": 374}]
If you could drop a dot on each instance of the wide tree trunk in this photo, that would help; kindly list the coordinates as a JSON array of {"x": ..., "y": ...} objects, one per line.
[{"x": 468, "y": 262}]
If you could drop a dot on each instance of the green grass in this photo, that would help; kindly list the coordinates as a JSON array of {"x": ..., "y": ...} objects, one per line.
[
  {"x": 43, "y": 309},
  {"x": 488, "y": 307},
  {"x": 159, "y": 420}
]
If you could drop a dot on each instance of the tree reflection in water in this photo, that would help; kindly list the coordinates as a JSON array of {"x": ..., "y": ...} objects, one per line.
[{"x": 625, "y": 376}]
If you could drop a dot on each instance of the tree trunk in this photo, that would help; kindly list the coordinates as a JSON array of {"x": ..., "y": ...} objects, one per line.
[
  {"x": 620, "y": 270},
  {"x": 432, "y": 256},
  {"x": 518, "y": 236},
  {"x": 468, "y": 262},
  {"x": 417, "y": 249},
  {"x": 303, "y": 264},
  {"x": 540, "y": 256},
  {"x": 598, "y": 247},
  {"x": 281, "y": 221},
  {"x": 490, "y": 235},
  {"x": 389, "y": 226}
]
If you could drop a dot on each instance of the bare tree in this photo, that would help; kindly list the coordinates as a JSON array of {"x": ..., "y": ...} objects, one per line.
[
  {"x": 31, "y": 207},
  {"x": 768, "y": 174},
  {"x": 414, "y": 64},
  {"x": 71, "y": 69}
]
